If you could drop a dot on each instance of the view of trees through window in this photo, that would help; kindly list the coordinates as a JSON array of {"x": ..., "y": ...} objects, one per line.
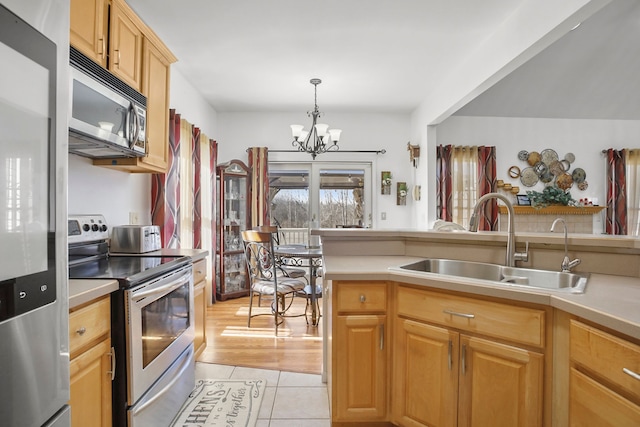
[{"x": 340, "y": 199}]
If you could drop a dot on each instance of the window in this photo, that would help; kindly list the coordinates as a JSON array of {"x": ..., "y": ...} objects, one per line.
[{"x": 332, "y": 194}]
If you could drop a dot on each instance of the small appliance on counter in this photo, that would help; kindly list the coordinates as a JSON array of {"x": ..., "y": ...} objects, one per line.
[{"x": 135, "y": 239}]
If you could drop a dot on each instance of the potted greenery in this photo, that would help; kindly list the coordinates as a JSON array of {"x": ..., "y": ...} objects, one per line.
[{"x": 551, "y": 195}]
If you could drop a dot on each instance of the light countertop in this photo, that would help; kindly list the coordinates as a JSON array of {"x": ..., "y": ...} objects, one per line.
[{"x": 611, "y": 301}]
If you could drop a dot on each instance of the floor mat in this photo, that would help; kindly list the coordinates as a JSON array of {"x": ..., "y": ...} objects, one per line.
[{"x": 222, "y": 403}]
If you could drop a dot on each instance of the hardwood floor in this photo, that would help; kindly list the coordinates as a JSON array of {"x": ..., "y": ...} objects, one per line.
[{"x": 297, "y": 348}]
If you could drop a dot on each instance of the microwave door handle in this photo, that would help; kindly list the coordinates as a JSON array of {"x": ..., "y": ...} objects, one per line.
[{"x": 136, "y": 118}]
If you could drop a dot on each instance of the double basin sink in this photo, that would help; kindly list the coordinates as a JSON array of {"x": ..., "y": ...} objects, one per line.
[{"x": 502, "y": 275}]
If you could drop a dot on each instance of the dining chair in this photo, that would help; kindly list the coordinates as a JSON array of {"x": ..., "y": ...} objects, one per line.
[
  {"x": 265, "y": 278},
  {"x": 286, "y": 269}
]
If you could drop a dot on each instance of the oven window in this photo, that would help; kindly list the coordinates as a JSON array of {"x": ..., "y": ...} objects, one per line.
[{"x": 163, "y": 321}]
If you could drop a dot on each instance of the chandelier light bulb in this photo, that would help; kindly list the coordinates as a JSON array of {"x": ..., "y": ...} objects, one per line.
[
  {"x": 321, "y": 129},
  {"x": 296, "y": 131},
  {"x": 335, "y": 135}
]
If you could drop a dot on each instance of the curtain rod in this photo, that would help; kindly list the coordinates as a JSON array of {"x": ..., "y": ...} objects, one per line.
[{"x": 382, "y": 151}]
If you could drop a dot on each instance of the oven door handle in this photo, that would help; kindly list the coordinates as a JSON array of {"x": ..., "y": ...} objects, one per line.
[{"x": 164, "y": 289}]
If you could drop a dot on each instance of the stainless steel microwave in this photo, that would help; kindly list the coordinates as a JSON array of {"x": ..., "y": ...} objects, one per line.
[{"x": 108, "y": 117}]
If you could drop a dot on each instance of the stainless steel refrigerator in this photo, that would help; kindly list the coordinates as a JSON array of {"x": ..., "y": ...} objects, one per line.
[{"x": 34, "y": 347}]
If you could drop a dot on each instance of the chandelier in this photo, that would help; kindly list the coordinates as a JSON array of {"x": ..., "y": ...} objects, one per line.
[{"x": 320, "y": 138}]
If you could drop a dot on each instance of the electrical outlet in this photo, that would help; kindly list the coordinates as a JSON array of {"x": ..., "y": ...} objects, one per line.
[
  {"x": 134, "y": 218},
  {"x": 383, "y": 216}
]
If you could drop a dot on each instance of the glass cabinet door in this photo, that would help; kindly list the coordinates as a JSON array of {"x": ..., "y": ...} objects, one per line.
[{"x": 232, "y": 217}]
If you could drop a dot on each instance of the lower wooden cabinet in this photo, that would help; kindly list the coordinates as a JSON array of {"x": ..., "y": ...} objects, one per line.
[
  {"x": 604, "y": 382},
  {"x": 91, "y": 386},
  {"x": 200, "y": 306},
  {"x": 445, "y": 378},
  {"x": 91, "y": 364},
  {"x": 360, "y": 353},
  {"x": 361, "y": 385}
]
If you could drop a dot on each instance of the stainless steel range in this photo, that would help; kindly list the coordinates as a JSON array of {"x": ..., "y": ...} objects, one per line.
[{"x": 152, "y": 326}]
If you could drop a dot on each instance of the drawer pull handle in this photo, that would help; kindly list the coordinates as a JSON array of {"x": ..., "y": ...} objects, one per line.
[
  {"x": 464, "y": 359},
  {"x": 362, "y": 298},
  {"x": 455, "y": 313},
  {"x": 112, "y": 355},
  {"x": 81, "y": 331},
  {"x": 631, "y": 373}
]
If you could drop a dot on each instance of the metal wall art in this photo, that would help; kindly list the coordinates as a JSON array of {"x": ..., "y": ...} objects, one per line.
[
  {"x": 401, "y": 197},
  {"x": 385, "y": 182},
  {"x": 547, "y": 167}
]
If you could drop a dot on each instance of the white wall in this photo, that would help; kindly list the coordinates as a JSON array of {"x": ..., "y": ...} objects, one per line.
[
  {"x": 190, "y": 104},
  {"x": 535, "y": 25},
  {"x": 237, "y": 131},
  {"x": 584, "y": 138},
  {"x": 98, "y": 190}
]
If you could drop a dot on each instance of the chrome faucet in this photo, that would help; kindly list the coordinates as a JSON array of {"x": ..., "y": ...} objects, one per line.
[
  {"x": 511, "y": 256},
  {"x": 567, "y": 264}
]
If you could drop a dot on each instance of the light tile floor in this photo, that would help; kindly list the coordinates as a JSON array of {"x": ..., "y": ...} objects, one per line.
[{"x": 290, "y": 399}]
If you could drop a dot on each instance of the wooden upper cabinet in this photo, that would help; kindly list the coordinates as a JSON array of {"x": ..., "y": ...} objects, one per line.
[
  {"x": 125, "y": 47},
  {"x": 89, "y": 23},
  {"x": 110, "y": 33},
  {"x": 156, "y": 82}
]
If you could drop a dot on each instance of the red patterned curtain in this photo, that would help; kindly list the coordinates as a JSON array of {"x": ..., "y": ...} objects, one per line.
[
  {"x": 197, "y": 203},
  {"x": 258, "y": 164},
  {"x": 213, "y": 162},
  {"x": 487, "y": 184},
  {"x": 616, "y": 222},
  {"x": 165, "y": 190},
  {"x": 444, "y": 206}
]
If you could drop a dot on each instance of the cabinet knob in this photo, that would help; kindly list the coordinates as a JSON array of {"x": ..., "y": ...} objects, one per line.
[
  {"x": 363, "y": 298},
  {"x": 81, "y": 331}
]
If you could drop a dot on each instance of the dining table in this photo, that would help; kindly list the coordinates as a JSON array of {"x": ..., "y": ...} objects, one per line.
[{"x": 299, "y": 255}]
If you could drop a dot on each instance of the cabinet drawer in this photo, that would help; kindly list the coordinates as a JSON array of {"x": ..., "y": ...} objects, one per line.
[
  {"x": 608, "y": 356},
  {"x": 199, "y": 271},
  {"x": 362, "y": 297},
  {"x": 88, "y": 323},
  {"x": 517, "y": 324}
]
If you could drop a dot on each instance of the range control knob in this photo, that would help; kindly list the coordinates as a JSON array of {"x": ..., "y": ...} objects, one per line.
[
  {"x": 94, "y": 227},
  {"x": 103, "y": 227},
  {"x": 86, "y": 227}
]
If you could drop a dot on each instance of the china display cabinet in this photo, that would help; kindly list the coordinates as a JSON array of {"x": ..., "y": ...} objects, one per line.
[{"x": 232, "y": 217}]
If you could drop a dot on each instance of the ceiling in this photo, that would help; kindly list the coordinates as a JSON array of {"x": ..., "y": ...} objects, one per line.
[
  {"x": 387, "y": 56},
  {"x": 593, "y": 72}
]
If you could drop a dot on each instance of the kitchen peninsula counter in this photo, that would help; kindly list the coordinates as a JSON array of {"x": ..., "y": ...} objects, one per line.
[{"x": 610, "y": 300}]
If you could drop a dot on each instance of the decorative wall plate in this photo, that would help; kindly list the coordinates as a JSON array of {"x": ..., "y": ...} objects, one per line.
[
  {"x": 583, "y": 185},
  {"x": 528, "y": 177},
  {"x": 564, "y": 181},
  {"x": 570, "y": 157},
  {"x": 547, "y": 177},
  {"x": 523, "y": 155},
  {"x": 533, "y": 158},
  {"x": 557, "y": 168},
  {"x": 548, "y": 156},
  {"x": 540, "y": 168},
  {"x": 578, "y": 175},
  {"x": 514, "y": 172}
]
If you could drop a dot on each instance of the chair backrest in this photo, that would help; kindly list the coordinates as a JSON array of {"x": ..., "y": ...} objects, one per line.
[
  {"x": 258, "y": 251},
  {"x": 273, "y": 229}
]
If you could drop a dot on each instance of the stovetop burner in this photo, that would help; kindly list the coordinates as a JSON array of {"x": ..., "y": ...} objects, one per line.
[{"x": 128, "y": 270}]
